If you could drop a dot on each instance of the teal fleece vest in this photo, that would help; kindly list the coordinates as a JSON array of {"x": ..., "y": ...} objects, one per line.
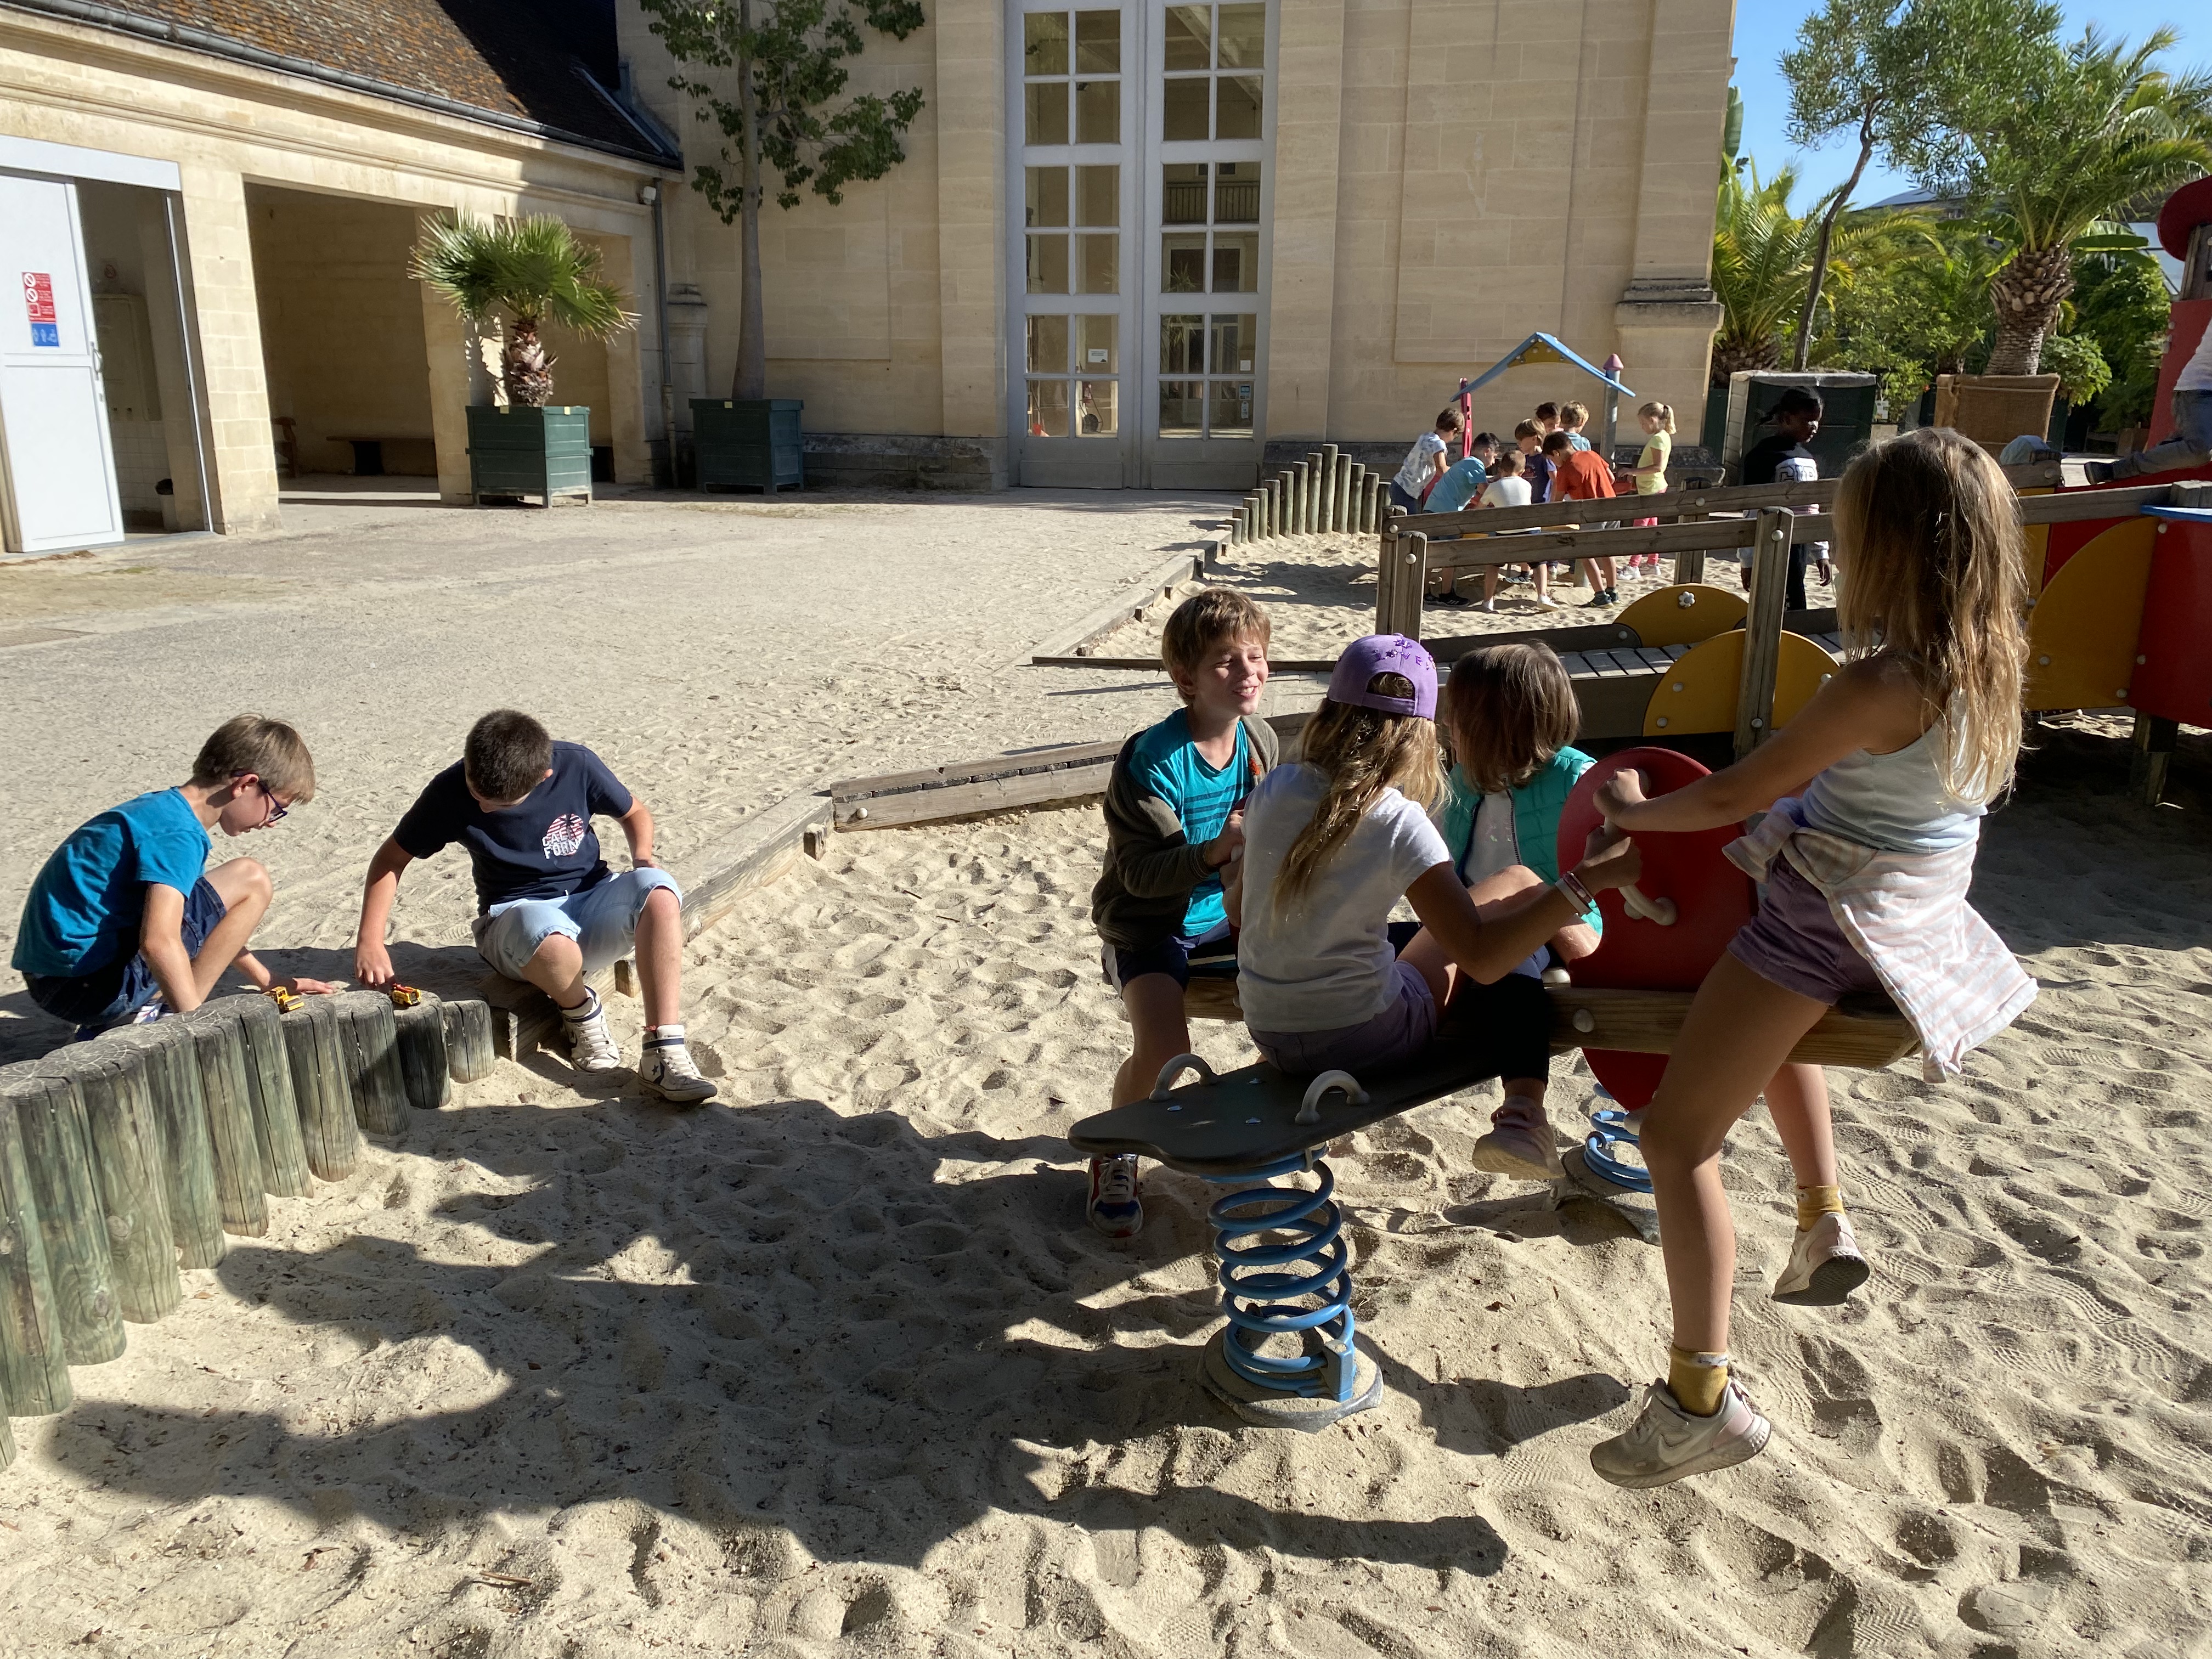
[{"x": 1537, "y": 805}]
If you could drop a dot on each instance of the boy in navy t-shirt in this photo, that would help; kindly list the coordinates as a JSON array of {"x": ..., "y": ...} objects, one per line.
[
  {"x": 125, "y": 921},
  {"x": 549, "y": 910}
]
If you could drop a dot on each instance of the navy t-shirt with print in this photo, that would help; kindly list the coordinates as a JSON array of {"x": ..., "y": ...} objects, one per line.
[{"x": 540, "y": 847}]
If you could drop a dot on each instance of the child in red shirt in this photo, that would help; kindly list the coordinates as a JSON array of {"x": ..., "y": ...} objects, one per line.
[{"x": 1579, "y": 475}]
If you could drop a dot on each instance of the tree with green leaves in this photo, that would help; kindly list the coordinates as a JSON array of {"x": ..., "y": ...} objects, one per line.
[
  {"x": 2052, "y": 138},
  {"x": 531, "y": 270},
  {"x": 1921, "y": 311},
  {"x": 779, "y": 113}
]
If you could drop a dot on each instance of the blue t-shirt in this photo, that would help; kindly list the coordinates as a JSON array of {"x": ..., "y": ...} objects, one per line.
[
  {"x": 1577, "y": 440},
  {"x": 1168, "y": 764},
  {"x": 542, "y": 847},
  {"x": 90, "y": 902},
  {"x": 1462, "y": 483}
]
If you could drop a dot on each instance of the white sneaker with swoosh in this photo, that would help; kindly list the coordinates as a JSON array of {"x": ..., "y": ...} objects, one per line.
[
  {"x": 1825, "y": 1264},
  {"x": 1666, "y": 1443}
]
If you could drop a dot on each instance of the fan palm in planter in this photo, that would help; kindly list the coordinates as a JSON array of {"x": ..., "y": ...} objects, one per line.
[{"x": 519, "y": 273}]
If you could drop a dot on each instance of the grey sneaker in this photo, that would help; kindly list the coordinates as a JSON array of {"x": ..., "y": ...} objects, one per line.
[
  {"x": 1520, "y": 1143},
  {"x": 667, "y": 1070},
  {"x": 590, "y": 1047},
  {"x": 1825, "y": 1264},
  {"x": 1665, "y": 1442}
]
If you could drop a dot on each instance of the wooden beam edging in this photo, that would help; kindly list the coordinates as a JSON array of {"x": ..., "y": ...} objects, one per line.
[
  {"x": 1762, "y": 624},
  {"x": 762, "y": 847},
  {"x": 1129, "y": 606}
]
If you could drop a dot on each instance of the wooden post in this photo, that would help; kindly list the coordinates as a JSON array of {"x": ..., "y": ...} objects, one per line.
[
  {"x": 126, "y": 1166},
  {"x": 469, "y": 1055},
  {"x": 1314, "y": 525},
  {"x": 1762, "y": 624},
  {"x": 34, "y": 1379},
  {"x": 1378, "y": 497},
  {"x": 329, "y": 1137},
  {"x": 219, "y": 1045},
  {"x": 1300, "y": 497},
  {"x": 1340, "y": 518},
  {"x": 58, "y": 1152},
  {"x": 1355, "y": 506},
  {"x": 2154, "y": 742},
  {"x": 1412, "y": 589},
  {"x": 421, "y": 1033},
  {"x": 372, "y": 1051},
  {"x": 1325, "y": 489},
  {"x": 173, "y": 1083},
  {"x": 284, "y": 1170},
  {"x": 1271, "y": 507},
  {"x": 1690, "y": 566},
  {"x": 1386, "y": 581}
]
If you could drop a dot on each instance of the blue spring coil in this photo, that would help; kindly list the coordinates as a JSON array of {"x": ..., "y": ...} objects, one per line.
[
  {"x": 1609, "y": 1128},
  {"x": 1262, "y": 1300}
]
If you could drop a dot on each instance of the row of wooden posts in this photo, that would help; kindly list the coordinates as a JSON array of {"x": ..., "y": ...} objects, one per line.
[
  {"x": 1327, "y": 491},
  {"x": 125, "y": 1159}
]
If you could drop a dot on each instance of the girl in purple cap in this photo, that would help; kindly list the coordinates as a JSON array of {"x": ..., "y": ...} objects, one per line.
[{"x": 1334, "y": 841}]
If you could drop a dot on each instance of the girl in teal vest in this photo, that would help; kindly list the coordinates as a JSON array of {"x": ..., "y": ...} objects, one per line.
[{"x": 1509, "y": 712}]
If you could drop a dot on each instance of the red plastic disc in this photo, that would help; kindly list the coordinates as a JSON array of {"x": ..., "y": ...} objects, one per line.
[{"x": 1712, "y": 899}]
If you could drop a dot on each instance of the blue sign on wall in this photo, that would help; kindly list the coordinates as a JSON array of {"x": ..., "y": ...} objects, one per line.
[{"x": 46, "y": 334}]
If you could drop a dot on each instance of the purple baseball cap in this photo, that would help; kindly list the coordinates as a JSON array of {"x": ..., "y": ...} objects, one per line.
[{"x": 1386, "y": 654}]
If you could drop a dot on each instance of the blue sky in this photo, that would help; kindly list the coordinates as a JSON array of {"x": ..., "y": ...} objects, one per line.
[{"x": 1764, "y": 29}]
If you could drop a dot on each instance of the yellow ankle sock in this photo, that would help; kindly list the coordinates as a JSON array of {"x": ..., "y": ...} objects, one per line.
[
  {"x": 1814, "y": 1202},
  {"x": 1697, "y": 1380}
]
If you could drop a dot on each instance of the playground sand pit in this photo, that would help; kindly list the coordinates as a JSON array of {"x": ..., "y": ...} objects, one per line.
[{"x": 834, "y": 1367}]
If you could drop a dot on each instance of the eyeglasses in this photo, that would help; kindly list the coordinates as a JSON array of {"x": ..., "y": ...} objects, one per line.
[{"x": 274, "y": 809}]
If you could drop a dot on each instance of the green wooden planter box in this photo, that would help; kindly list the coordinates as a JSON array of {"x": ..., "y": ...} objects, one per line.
[
  {"x": 516, "y": 450},
  {"x": 749, "y": 444}
]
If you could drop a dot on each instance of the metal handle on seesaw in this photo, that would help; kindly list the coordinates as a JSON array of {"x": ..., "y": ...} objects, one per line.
[
  {"x": 1632, "y": 900},
  {"x": 1309, "y": 1108},
  {"x": 1175, "y": 1068}
]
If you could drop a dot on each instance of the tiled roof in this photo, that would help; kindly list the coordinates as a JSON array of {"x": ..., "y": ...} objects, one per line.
[{"x": 516, "y": 60}]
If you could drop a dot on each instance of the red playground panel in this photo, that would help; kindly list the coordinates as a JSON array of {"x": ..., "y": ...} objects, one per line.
[
  {"x": 2174, "y": 680},
  {"x": 1712, "y": 899}
]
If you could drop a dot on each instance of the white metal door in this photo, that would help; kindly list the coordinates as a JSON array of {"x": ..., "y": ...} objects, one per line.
[{"x": 56, "y": 465}]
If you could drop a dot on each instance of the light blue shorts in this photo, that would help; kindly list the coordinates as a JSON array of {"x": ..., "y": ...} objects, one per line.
[{"x": 602, "y": 919}]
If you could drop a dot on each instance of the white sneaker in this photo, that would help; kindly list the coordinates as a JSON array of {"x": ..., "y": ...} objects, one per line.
[
  {"x": 1548, "y": 603},
  {"x": 1490, "y": 605},
  {"x": 667, "y": 1069},
  {"x": 590, "y": 1047},
  {"x": 1520, "y": 1143},
  {"x": 1666, "y": 1443},
  {"x": 1825, "y": 1264},
  {"x": 1116, "y": 1206}
]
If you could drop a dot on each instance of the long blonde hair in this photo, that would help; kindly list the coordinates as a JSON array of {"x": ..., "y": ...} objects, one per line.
[
  {"x": 1360, "y": 752},
  {"x": 1932, "y": 569}
]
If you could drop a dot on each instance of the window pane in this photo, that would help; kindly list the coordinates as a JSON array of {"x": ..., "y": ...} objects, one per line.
[
  {"x": 1048, "y": 409},
  {"x": 1182, "y": 110},
  {"x": 1237, "y": 196},
  {"x": 1098, "y": 111},
  {"x": 1230, "y": 415},
  {"x": 1183, "y": 403},
  {"x": 1098, "y": 41},
  {"x": 1190, "y": 37},
  {"x": 1044, "y": 45},
  {"x": 1048, "y": 352},
  {"x": 1183, "y": 262},
  {"x": 1244, "y": 36},
  {"x": 1236, "y": 262},
  {"x": 1182, "y": 345},
  {"x": 1098, "y": 196},
  {"x": 1048, "y": 264},
  {"x": 1182, "y": 193},
  {"x": 1098, "y": 263},
  {"x": 1046, "y": 104},
  {"x": 1046, "y": 196},
  {"x": 1096, "y": 351},
  {"x": 1240, "y": 106},
  {"x": 1100, "y": 403},
  {"x": 1234, "y": 342}
]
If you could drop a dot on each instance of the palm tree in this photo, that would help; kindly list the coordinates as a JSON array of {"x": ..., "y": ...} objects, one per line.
[
  {"x": 2094, "y": 125},
  {"x": 530, "y": 269}
]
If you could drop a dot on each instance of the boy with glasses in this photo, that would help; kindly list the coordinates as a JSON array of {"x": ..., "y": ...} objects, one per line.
[{"x": 125, "y": 922}]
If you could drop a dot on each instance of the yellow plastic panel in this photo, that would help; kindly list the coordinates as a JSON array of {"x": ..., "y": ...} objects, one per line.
[
  {"x": 2037, "y": 538},
  {"x": 2081, "y": 633},
  {"x": 1685, "y": 614},
  {"x": 1698, "y": 693}
]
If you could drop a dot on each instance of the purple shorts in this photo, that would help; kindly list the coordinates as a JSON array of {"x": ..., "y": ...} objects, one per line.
[
  {"x": 1402, "y": 1029},
  {"x": 1794, "y": 941}
]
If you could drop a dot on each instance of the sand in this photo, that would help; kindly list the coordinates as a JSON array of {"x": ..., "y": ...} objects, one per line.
[{"x": 834, "y": 1368}]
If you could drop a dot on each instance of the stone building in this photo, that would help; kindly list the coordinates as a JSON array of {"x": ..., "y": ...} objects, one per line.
[{"x": 1130, "y": 244}]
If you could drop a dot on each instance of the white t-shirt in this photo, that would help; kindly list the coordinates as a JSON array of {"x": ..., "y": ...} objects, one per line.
[
  {"x": 1324, "y": 961},
  {"x": 1506, "y": 492},
  {"x": 1494, "y": 845},
  {"x": 2197, "y": 373},
  {"x": 1414, "y": 477}
]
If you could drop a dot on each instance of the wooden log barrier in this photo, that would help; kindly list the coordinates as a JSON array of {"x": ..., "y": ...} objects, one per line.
[
  {"x": 469, "y": 1052},
  {"x": 58, "y": 1154},
  {"x": 172, "y": 1083},
  {"x": 125, "y": 1138},
  {"x": 219, "y": 1045},
  {"x": 372, "y": 1051},
  {"x": 1325, "y": 489},
  {"x": 316, "y": 1054},
  {"x": 276, "y": 1130},
  {"x": 34, "y": 1377},
  {"x": 421, "y": 1042}
]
